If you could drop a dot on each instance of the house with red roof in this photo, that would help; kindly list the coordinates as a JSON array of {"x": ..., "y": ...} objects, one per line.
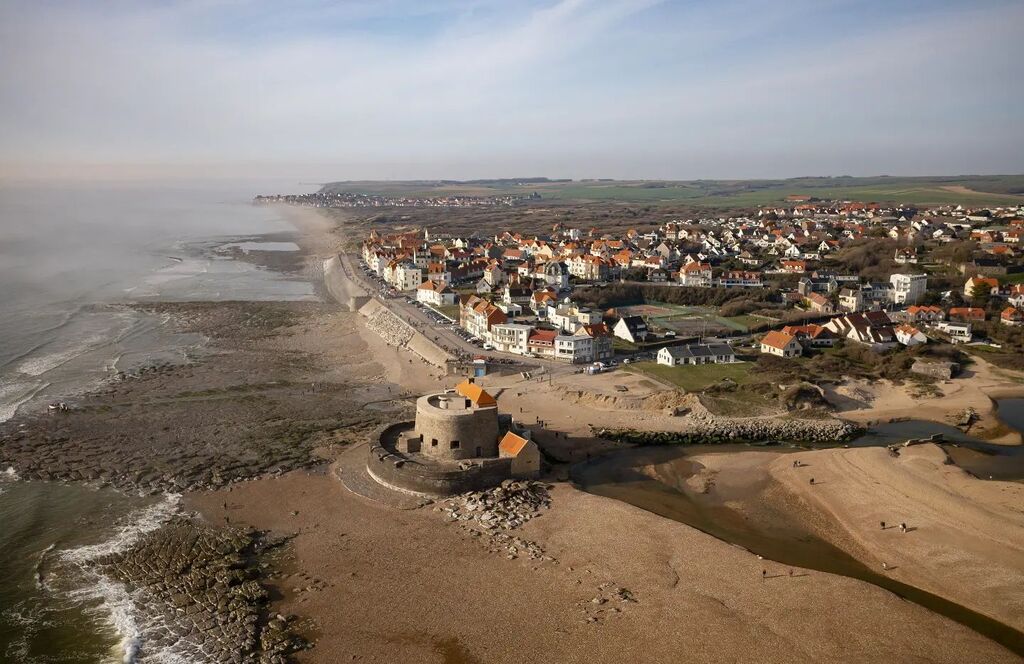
[
  {"x": 1011, "y": 316},
  {"x": 781, "y": 344}
]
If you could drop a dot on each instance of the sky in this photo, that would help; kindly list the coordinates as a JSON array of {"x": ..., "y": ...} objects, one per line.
[{"x": 402, "y": 89}]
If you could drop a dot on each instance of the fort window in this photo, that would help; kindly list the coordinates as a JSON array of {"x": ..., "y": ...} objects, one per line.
[
  {"x": 455, "y": 444},
  {"x": 479, "y": 451},
  {"x": 433, "y": 442}
]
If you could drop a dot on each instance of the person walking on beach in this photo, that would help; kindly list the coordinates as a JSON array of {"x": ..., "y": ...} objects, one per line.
[
  {"x": 903, "y": 527},
  {"x": 812, "y": 481},
  {"x": 883, "y": 525},
  {"x": 764, "y": 574}
]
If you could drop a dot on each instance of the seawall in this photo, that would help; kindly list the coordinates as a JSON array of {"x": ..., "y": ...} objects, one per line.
[
  {"x": 397, "y": 332},
  {"x": 341, "y": 287}
]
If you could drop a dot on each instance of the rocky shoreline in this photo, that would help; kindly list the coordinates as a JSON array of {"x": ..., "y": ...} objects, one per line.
[
  {"x": 248, "y": 410},
  {"x": 197, "y": 594}
]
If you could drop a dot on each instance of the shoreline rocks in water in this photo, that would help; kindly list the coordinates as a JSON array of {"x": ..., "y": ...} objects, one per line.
[
  {"x": 710, "y": 429},
  {"x": 256, "y": 404},
  {"x": 198, "y": 593}
]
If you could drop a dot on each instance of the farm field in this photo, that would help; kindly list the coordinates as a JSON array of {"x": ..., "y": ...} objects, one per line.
[{"x": 968, "y": 190}]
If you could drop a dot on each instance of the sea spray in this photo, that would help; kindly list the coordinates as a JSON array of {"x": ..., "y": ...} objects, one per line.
[{"x": 113, "y": 597}]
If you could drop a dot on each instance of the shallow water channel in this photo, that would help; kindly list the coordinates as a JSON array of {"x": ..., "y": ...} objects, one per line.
[{"x": 784, "y": 539}]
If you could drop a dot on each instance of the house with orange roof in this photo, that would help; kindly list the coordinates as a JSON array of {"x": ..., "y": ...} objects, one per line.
[
  {"x": 1016, "y": 295},
  {"x": 794, "y": 266},
  {"x": 981, "y": 285},
  {"x": 479, "y": 397},
  {"x": 524, "y": 453},
  {"x": 1011, "y": 316},
  {"x": 908, "y": 335},
  {"x": 966, "y": 314},
  {"x": 811, "y": 335},
  {"x": 695, "y": 274},
  {"x": 435, "y": 293},
  {"x": 477, "y": 315},
  {"x": 919, "y": 313},
  {"x": 781, "y": 344}
]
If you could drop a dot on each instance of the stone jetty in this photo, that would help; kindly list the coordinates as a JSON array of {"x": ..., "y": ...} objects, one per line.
[{"x": 705, "y": 428}]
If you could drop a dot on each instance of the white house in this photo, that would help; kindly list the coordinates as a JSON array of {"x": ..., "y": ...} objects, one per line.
[
  {"x": 908, "y": 288},
  {"x": 632, "y": 329},
  {"x": 908, "y": 335},
  {"x": 697, "y": 354},
  {"x": 781, "y": 344},
  {"x": 511, "y": 337},
  {"x": 436, "y": 294}
]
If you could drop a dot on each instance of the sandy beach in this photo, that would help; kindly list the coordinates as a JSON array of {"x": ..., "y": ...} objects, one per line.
[
  {"x": 383, "y": 584},
  {"x": 290, "y": 392},
  {"x": 976, "y": 388},
  {"x": 388, "y": 585}
]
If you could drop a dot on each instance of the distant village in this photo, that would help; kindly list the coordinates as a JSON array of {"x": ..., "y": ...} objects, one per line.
[
  {"x": 328, "y": 199},
  {"x": 516, "y": 294}
]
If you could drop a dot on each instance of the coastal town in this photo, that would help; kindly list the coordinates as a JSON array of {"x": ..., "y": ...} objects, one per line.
[{"x": 795, "y": 280}]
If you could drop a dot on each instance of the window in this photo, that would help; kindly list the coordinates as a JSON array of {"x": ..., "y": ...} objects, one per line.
[
  {"x": 433, "y": 442},
  {"x": 455, "y": 444},
  {"x": 479, "y": 451}
]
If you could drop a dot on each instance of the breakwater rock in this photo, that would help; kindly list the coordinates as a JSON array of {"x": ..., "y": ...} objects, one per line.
[
  {"x": 391, "y": 328},
  {"x": 704, "y": 428},
  {"x": 198, "y": 596}
]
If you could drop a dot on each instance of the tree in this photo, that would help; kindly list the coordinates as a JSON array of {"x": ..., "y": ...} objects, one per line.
[{"x": 980, "y": 294}]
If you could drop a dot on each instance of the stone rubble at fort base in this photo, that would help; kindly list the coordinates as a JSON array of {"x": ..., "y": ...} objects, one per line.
[
  {"x": 502, "y": 508},
  {"x": 488, "y": 515}
]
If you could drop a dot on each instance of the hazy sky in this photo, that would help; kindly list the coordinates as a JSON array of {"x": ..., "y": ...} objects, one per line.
[{"x": 490, "y": 88}]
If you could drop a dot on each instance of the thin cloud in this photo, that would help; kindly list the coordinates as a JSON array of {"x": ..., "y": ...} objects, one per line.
[{"x": 461, "y": 89}]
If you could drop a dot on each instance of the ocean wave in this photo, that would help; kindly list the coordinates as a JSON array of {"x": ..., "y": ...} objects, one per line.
[
  {"x": 136, "y": 525},
  {"x": 9, "y": 474},
  {"x": 45, "y": 334},
  {"x": 36, "y": 366},
  {"x": 116, "y": 602},
  {"x": 13, "y": 394}
]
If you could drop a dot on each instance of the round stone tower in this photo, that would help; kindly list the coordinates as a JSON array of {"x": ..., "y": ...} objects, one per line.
[{"x": 460, "y": 424}]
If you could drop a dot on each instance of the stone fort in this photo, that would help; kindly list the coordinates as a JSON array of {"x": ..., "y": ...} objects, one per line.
[{"x": 459, "y": 442}]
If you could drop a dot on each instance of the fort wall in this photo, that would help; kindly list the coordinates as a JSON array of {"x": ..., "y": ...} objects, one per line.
[
  {"x": 460, "y": 431},
  {"x": 436, "y": 480}
]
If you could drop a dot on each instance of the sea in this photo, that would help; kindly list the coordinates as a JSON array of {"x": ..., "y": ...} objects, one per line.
[{"x": 70, "y": 254}]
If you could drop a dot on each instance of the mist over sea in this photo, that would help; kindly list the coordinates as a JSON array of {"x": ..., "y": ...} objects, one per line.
[{"x": 69, "y": 255}]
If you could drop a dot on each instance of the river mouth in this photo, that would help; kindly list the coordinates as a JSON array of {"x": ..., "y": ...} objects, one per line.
[{"x": 666, "y": 481}]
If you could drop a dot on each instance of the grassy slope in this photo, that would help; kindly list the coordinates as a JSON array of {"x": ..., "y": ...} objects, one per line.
[{"x": 693, "y": 378}]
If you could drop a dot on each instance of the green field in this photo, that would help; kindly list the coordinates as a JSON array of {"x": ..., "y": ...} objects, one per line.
[
  {"x": 1017, "y": 278},
  {"x": 968, "y": 190},
  {"x": 693, "y": 378},
  {"x": 692, "y": 321}
]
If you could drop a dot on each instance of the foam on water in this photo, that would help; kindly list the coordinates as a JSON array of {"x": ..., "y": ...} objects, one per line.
[
  {"x": 137, "y": 524},
  {"x": 117, "y": 603},
  {"x": 15, "y": 393},
  {"x": 36, "y": 366}
]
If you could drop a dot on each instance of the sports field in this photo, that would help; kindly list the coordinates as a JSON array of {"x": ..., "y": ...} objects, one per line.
[{"x": 691, "y": 321}]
